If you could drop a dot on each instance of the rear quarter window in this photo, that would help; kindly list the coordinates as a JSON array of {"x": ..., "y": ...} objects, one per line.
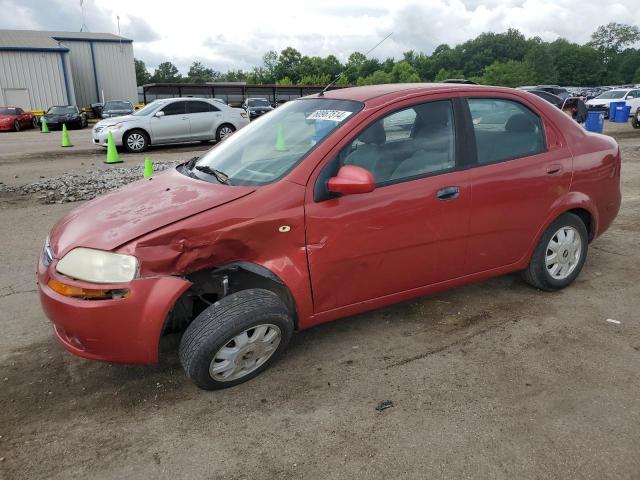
[{"x": 505, "y": 130}]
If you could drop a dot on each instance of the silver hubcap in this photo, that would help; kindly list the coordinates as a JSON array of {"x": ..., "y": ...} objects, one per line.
[
  {"x": 563, "y": 253},
  {"x": 135, "y": 141},
  {"x": 245, "y": 352},
  {"x": 225, "y": 132}
]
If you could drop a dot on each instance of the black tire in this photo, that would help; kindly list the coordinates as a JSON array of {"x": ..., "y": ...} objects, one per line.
[
  {"x": 220, "y": 132},
  {"x": 34, "y": 122},
  {"x": 16, "y": 126},
  {"x": 140, "y": 135},
  {"x": 537, "y": 274},
  {"x": 216, "y": 326}
]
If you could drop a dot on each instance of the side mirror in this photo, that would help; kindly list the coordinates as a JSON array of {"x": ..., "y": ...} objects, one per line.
[
  {"x": 159, "y": 114},
  {"x": 352, "y": 179},
  {"x": 629, "y": 97}
]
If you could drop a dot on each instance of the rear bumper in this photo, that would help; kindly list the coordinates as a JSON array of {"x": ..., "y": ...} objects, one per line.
[{"x": 123, "y": 330}]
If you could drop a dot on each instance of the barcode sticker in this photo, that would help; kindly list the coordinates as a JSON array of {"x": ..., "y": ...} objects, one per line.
[{"x": 331, "y": 115}]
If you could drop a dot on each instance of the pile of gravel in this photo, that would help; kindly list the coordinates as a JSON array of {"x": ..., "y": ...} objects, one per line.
[{"x": 73, "y": 187}]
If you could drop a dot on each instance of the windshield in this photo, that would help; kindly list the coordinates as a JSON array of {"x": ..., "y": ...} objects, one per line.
[
  {"x": 258, "y": 102},
  {"x": 612, "y": 94},
  {"x": 118, "y": 106},
  {"x": 147, "y": 109},
  {"x": 62, "y": 110},
  {"x": 268, "y": 148},
  {"x": 7, "y": 111}
]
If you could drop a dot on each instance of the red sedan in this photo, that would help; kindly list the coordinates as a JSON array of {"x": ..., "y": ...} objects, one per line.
[
  {"x": 331, "y": 205},
  {"x": 15, "y": 118}
]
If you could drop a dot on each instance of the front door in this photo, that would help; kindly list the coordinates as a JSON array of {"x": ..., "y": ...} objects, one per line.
[
  {"x": 411, "y": 230},
  {"x": 173, "y": 126}
]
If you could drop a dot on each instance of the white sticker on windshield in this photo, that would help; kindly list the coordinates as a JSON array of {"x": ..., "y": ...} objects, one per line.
[{"x": 331, "y": 115}]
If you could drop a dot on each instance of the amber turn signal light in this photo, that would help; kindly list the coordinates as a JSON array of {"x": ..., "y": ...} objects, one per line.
[{"x": 87, "y": 293}]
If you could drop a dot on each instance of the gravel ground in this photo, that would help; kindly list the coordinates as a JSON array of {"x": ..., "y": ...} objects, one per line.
[
  {"x": 493, "y": 380},
  {"x": 73, "y": 187}
]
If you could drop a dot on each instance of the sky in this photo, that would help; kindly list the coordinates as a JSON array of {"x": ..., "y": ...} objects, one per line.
[{"x": 231, "y": 35}]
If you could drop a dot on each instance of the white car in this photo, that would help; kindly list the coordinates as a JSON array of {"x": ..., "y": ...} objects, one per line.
[
  {"x": 171, "y": 120},
  {"x": 631, "y": 96}
]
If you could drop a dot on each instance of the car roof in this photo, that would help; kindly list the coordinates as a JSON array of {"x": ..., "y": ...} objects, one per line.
[{"x": 369, "y": 92}]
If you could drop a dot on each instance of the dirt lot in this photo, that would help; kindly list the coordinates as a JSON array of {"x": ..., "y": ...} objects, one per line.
[{"x": 494, "y": 380}]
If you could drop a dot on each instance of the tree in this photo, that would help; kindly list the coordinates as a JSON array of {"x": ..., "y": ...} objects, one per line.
[
  {"x": 166, "y": 72},
  {"x": 198, "y": 73},
  {"x": 142, "y": 74},
  {"x": 284, "y": 81},
  {"x": 403, "y": 72},
  {"x": 507, "y": 74},
  {"x": 270, "y": 62},
  {"x": 289, "y": 64},
  {"x": 540, "y": 64},
  {"x": 612, "y": 37}
]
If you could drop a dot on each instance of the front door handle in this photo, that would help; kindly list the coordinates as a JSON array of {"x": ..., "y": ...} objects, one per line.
[
  {"x": 448, "y": 193},
  {"x": 553, "y": 169}
]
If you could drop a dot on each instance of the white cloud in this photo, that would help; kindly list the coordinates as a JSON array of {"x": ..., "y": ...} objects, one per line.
[{"x": 225, "y": 36}]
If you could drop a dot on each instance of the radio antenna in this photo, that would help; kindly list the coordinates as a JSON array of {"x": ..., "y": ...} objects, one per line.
[{"x": 347, "y": 69}]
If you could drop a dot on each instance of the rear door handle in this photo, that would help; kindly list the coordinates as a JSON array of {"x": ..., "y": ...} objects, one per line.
[
  {"x": 448, "y": 193},
  {"x": 553, "y": 169}
]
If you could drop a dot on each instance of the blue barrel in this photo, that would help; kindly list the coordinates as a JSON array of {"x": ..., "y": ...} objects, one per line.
[
  {"x": 595, "y": 121},
  {"x": 613, "y": 106},
  {"x": 622, "y": 114}
]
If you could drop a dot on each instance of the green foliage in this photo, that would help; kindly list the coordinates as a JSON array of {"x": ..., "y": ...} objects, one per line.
[
  {"x": 166, "y": 72},
  {"x": 142, "y": 75},
  {"x": 198, "y": 73},
  {"x": 506, "y": 58},
  {"x": 508, "y": 74}
]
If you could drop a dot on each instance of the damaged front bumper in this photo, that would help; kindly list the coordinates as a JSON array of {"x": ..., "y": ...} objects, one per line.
[{"x": 122, "y": 330}]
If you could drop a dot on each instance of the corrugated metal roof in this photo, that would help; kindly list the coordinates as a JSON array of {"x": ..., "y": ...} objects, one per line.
[{"x": 37, "y": 39}]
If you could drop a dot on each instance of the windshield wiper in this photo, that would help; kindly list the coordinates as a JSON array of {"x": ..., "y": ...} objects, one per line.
[{"x": 220, "y": 176}]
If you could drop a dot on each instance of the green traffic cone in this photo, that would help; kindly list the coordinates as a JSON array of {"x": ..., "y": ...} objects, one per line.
[
  {"x": 148, "y": 167},
  {"x": 66, "y": 142},
  {"x": 112, "y": 151},
  {"x": 280, "y": 145},
  {"x": 44, "y": 128}
]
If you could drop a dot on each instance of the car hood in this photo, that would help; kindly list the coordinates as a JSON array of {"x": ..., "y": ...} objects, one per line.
[
  {"x": 596, "y": 101},
  {"x": 52, "y": 116},
  {"x": 125, "y": 118},
  {"x": 116, "y": 218},
  {"x": 260, "y": 108},
  {"x": 6, "y": 116}
]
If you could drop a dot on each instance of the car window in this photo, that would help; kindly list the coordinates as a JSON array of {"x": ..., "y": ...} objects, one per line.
[
  {"x": 175, "y": 108},
  {"x": 505, "y": 130},
  {"x": 200, "y": 107},
  {"x": 412, "y": 142},
  {"x": 634, "y": 94}
]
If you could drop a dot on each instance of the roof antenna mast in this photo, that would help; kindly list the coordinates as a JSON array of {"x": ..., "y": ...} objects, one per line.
[
  {"x": 347, "y": 69},
  {"x": 83, "y": 27}
]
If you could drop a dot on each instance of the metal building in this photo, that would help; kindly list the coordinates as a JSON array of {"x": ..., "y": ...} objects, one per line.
[{"x": 39, "y": 69}]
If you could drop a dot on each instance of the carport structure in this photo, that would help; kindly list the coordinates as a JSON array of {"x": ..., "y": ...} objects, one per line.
[{"x": 233, "y": 93}]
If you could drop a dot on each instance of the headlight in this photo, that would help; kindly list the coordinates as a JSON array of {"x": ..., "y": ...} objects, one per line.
[
  {"x": 117, "y": 126},
  {"x": 98, "y": 266}
]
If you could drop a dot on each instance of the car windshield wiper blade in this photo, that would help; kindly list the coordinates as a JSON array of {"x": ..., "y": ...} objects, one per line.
[
  {"x": 220, "y": 176},
  {"x": 191, "y": 162}
]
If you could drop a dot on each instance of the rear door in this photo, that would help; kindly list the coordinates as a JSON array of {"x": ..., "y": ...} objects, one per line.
[
  {"x": 522, "y": 167},
  {"x": 173, "y": 126},
  {"x": 411, "y": 230},
  {"x": 204, "y": 119}
]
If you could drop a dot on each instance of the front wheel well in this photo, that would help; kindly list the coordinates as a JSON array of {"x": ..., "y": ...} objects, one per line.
[
  {"x": 587, "y": 219},
  {"x": 210, "y": 285},
  {"x": 140, "y": 129}
]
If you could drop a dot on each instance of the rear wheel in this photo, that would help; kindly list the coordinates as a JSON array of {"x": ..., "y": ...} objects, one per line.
[
  {"x": 34, "y": 122},
  {"x": 135, "y": 141},
  {"x": 235, "y": 339},
  {"x": 560, "y": 254},
  {"x": 224, "y": 131},
  {"x": 16, "y": 126}
]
